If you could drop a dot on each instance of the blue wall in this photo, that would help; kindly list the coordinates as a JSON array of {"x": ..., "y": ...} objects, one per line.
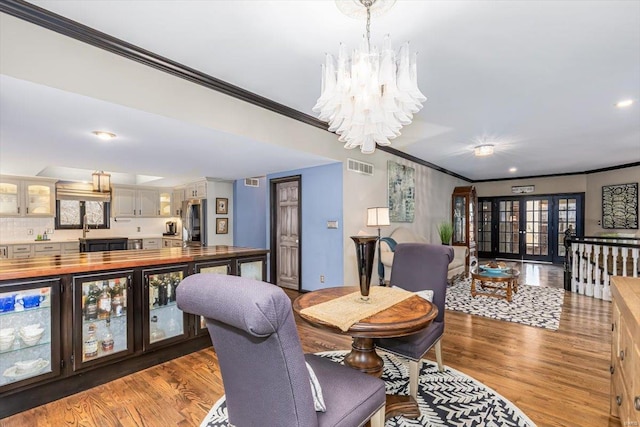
[
  {"x": 321, "y": 196},
  {"x": 249, "y": 216}
]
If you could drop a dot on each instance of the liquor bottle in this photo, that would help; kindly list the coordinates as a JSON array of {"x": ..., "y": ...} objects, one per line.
[
  {"x": 163, "y": 298},
  {"x": 124, "y": 293},
  {"x": 91, "y": 308},
  {"x": 172, "y": 290},
  {"x": 91, "y": 343},
  {"x": 104, "y": 302},
  {"x": 116, "y": 299},
  {"x": 154, "y": 292},
  {"x": 107, "y": 338}
]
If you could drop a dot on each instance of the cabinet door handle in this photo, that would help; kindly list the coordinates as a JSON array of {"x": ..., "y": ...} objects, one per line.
[
  {"x": 621, "y": 354},
  {"x": 18, "y": 209},
  {"x": 619, "y": 400},
  {"x": 612, "y": 369},
  {"x": 636, "y": 403},
  {"x": 27, "y": 209}
]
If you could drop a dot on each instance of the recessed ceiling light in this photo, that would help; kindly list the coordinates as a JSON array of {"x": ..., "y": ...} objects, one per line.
[
  {"x": 625, "y": 103},
  {"x": 483, "y": 150},
  {"x": 105, "y": 136},
  {"x": 513, "y": 170}
]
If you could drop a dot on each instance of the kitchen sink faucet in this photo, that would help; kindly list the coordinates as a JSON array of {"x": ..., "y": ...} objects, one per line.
[{"x": 85, "y": 226}]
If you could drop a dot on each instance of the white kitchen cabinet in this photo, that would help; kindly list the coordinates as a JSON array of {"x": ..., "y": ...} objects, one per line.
[
  {"x": 21, "y": 251},
  {"x": 165, "y": 202},
  {"x": 196, "y": 190},
  {"x": 151, "y": 243},
  {"x": 32, "y": 198},
  {"x": 46, "y": 249},
  {"x": 69, "y": 248},
  {"x": 135, "y": 202},
  {"x": 171, "y": 243},
  {"x": 176, "y": 201}
]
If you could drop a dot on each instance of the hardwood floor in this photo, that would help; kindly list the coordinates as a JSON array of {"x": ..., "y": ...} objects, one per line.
[{"x": 558, "y": 378}]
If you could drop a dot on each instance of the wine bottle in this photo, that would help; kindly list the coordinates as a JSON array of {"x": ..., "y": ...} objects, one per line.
[{"x": 91, "y": 308}]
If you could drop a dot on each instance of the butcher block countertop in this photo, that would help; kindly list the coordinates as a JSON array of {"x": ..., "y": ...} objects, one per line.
[{"x": 99, "y": 261}]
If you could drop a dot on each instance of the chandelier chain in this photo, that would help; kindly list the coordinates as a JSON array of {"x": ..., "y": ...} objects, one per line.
[{"x": 368, "y": 4}]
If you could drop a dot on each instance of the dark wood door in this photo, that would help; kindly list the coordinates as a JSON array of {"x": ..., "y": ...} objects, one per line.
[{"x": 286, "y": 210}]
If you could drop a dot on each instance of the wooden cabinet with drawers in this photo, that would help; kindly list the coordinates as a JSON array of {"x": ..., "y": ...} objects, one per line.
[{"x": 625, "y": 350}]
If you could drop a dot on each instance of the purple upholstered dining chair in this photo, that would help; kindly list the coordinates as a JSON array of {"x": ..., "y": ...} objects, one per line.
[
  {"x": 266, "y": 380},
  {"x": 417, "y": 267}
]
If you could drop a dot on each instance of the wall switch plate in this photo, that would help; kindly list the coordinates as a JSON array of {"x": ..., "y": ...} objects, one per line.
[
  {"x": 49, "y": 230},
  {"x": 332, "y": 224},
  {"x": 138, "y": 229},
  {"x": 321, "y": 278},
  {"x": 30, "y": 232}
]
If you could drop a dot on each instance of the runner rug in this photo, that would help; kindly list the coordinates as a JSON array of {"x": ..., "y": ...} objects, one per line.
[
  {"x": 448, "y": 398},
  {"x": 531, "y": 305}
]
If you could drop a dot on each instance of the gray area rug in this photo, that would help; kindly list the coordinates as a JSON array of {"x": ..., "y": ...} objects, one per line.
[
  {"x": 531, "y": 305},
  {"x": 448, "y": 398}
]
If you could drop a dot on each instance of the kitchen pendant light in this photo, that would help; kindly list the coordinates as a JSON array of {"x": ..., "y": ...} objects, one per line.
[
  {"x": 367, "y": 97},
  {"x": 101, "y": 182}
]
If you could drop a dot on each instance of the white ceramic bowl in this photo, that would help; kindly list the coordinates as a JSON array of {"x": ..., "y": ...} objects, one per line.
[
  {"x": 7, "y": 332},
  {"x": 32, "y": 337},
  {"x": 31, "y": 332},
  {"x": 6, "y": 342},
  {"x": 26, "y": 329},
  {"x": 27, "y": 365}
]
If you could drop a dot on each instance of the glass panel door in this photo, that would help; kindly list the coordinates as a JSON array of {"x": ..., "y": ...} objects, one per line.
[
  {"x": 252, "y": 268},
  {"x": 39, "y": 199},
  {"x": 223, "y": 267},
  {"x": 508, "y": 227},
  {"x": 29, "y": 332},
  {"x": 528, "y": 227},
  {"x": 103, "y": 318},
  {"x": 165, "y": 322},
  {"x": 568, "y": 213},
  {"x": 536, "y": 229},
  {"x": 9, "y": 201},
  {"x": 485, "y": 227}
]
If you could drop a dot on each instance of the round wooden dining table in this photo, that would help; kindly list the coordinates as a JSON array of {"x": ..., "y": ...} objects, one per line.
[{"x": 404, "y": 318}]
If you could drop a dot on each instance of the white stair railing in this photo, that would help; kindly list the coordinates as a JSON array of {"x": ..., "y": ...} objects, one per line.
[{"x": 593, "y": 260}]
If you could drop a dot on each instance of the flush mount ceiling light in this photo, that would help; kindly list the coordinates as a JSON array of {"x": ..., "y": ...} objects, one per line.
[
  {"x": 483, "y": 150},
  {"x": 625, "y": 103},
  {"x": 367, "y": 97},
  {"x": 513, "y": 170},
  {"x": 105, "y": 136}
]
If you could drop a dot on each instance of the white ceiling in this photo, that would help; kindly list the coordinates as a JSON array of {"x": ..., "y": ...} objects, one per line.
[{"x": 539, "y": 79}]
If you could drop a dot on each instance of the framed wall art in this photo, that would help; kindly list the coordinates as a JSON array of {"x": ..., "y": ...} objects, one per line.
[
  {"x": 222, "y": 205},
  {"x": 222, "y": 225},
  {"x": 401, "y": 192},
  {"x": 620, "y": 206}
]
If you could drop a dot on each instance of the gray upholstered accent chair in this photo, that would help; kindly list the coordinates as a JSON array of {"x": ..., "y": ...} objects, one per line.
[
  {"x": 263, "y": 368},
  {"x": 418, "y": 267}
]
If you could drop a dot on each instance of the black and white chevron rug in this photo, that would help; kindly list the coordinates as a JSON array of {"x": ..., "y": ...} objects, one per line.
[
  {"x": 531, "y": 305},
  {"x": 448, "y": 398}
]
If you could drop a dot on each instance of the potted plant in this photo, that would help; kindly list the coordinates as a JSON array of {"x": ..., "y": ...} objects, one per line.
[{"x": 445, "y": 230}]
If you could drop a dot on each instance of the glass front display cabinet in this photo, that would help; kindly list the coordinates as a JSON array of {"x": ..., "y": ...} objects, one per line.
[
  {"x": 103, "y": 318},
  {"x": 464, "y": 202},
  {"x": 211, "y": 267},
  {"x": 163, "y": 322},
  {"x": 29, "y": 332},
  {"x": 253, "y": 268}
]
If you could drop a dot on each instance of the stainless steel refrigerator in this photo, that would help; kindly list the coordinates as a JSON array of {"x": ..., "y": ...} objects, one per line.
[{"x": 194, "y": 222}]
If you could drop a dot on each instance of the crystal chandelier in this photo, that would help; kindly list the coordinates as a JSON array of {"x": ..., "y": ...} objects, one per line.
[{"x": 368, "y": 97}]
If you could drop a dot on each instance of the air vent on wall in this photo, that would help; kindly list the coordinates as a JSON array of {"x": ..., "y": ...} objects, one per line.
[
  {"x": 359, "y": 167},
  {"x": 251, "y": 182}
]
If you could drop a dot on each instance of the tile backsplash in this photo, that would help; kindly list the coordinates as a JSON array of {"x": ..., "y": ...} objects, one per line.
[{"x": 17, "y": 229}]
